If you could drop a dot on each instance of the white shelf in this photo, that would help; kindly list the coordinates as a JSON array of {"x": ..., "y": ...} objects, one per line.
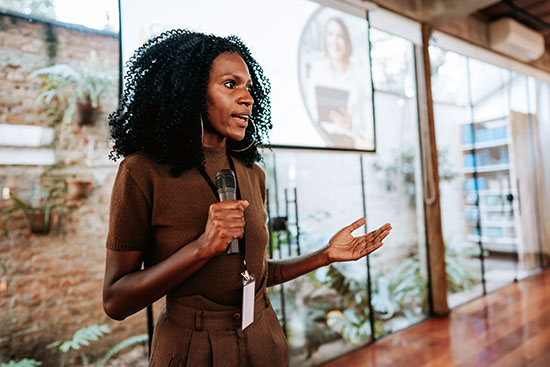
[
  {"x": 492, "y": 192},
  {"x": 494, "y": 208},
  {"x": 487, "y": 168},
  {"x": 493, "y": 240},
  {"x": 486, "y": 144},
  {"x": 497, "y": 223}
]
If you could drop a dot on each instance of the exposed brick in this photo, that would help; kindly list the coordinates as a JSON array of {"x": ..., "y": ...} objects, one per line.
[{"x": 54, "y": 282}]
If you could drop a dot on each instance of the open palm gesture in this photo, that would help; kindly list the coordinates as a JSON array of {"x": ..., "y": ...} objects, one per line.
[{"x": 343, "y": 246}]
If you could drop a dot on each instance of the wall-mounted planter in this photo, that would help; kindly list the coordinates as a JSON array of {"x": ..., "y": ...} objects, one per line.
[
  {"x": 78, "y": 189},
  {"x": 39, "y": 222},
  {"x": 87, "y": 114}
]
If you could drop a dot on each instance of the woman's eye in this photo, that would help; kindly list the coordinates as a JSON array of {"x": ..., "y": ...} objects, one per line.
[{"x": 230, "y": 84}]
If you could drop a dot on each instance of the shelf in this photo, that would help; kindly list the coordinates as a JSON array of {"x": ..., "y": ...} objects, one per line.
[
  {"x": 493, "y": 223},
  {"x": 488, "y": 168},
  {"x": 493, "y": 240},
  {"x": 492, "y": 208},
  {"x": 486, "y": 144},
  {"x": 492, "y": 120},
  {"x": 491, "y": 192}
]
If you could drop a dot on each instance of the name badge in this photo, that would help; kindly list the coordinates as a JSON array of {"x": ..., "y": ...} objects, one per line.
[{"x": 249, "y": 288}]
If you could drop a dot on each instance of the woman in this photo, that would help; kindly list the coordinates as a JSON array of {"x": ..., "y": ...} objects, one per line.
[
  {"x": 195, "y": 104},
  {"x": 339, "y": 95}
]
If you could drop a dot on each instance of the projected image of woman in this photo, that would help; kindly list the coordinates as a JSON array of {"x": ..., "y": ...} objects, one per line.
[
  {"x": 338, "y": 94},
  {"x": 193, "y": 105}
]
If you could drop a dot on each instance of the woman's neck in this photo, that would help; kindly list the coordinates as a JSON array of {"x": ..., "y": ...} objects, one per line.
[
  {"x": 211, "y": 140},
  {"x": 338, "y": 67}
]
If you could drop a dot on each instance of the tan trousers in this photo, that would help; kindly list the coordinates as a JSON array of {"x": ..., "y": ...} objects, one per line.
[{"x": 196, "y": 332}]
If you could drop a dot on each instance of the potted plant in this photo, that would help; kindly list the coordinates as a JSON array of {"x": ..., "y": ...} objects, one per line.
[
  {"x": 78, "y": 188},
  {"x": 41, "y": 211},
  {"x": 81, "y": 88}
]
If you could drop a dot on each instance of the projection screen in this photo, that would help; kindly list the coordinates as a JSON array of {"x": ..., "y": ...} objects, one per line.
[{"x": 315, "y": 55}]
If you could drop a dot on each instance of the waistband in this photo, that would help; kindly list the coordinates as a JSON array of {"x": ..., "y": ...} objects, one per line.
[{"x": 186, "y": 312}]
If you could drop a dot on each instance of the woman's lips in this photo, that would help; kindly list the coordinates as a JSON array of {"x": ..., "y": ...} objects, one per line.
[{"x": 242, "y": 120}]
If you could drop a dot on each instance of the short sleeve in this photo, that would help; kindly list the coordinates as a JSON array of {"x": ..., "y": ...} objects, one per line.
[{"x": 129, "y": 214}]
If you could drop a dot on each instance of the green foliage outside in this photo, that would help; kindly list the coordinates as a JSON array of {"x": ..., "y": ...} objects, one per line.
[
  {"x": 40, "y": 8},
  {"x": 80, "y": 343},
  {"x": 25, "y": 362},
  {"x": 65, "y": 85},
  {"x": 42, "y": 200}
]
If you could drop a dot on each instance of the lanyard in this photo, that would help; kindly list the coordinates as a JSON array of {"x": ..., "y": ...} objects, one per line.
[{"x": 242, "y": 247}]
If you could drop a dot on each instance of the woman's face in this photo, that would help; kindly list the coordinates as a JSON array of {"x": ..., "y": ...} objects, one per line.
[
  {"x": 335, "y": 41},
  {"x": 228, "y": 100}
]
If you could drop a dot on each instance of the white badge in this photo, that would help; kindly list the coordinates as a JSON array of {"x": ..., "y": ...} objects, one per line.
[{"x": 249, "y": 288}]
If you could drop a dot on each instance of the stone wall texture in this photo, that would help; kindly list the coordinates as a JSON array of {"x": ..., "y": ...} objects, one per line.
[{"x": 50, "y": 285}]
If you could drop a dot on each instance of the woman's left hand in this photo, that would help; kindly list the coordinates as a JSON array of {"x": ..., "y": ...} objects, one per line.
[{"x": 343, "y": 246}]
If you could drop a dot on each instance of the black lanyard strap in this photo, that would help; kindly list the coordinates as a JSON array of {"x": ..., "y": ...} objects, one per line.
[{"x": 242, "y": 246}]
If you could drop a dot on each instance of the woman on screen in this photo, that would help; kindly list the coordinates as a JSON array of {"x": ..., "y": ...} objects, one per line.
[
  {"x": 194, "y": 105},
  {"x": 339, "y": 95}
]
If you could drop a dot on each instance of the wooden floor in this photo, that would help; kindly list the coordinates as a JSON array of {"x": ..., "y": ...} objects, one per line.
[{"x": 507, "y": 328}]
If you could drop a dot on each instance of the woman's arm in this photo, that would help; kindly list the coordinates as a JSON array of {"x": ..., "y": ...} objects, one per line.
[
  {"x": 343, "y": 246},
  {"x": 127, "y": 288}
]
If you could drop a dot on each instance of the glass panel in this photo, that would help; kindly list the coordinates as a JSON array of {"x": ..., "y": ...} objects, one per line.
[
  {"x": 392, "y": 64},
  {"x": 458, "y": 211},
  {"x": 448, "y": 85},
  {"x": 326, "y": 310},
  {"x": 394, "y": 194},
  {"x": 518, "y": 93},
  {"x": 394, "y": 191},
  {"x": 480, "y": 208},
  {"x": 489, "y": 90}
]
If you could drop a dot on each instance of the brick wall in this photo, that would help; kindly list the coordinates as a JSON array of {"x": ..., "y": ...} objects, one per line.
[{"x": 50, "y": 285}]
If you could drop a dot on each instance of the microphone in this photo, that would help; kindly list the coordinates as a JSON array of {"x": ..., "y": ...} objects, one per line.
[{"x": 226, "y": 184}]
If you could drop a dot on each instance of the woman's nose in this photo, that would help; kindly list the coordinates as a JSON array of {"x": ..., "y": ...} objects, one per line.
[{"x": 246, "y": 98}]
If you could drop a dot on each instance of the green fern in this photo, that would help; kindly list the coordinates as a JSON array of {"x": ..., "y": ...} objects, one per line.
[
  {"x": 25, "y": 362},
  {"x": 81, "y": 337},
  {"x": 122, "y": 345}
]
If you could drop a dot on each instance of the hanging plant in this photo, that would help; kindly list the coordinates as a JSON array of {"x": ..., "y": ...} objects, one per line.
[{"x": 80, "y": 88}]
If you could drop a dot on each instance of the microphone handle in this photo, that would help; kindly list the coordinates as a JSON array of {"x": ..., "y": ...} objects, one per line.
[{"x": 230, "y": 194}]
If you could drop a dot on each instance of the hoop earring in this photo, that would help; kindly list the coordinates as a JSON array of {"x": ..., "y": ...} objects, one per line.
[
  {"x": 251, "y": 143},
  {"x": 202, "y": 128}
]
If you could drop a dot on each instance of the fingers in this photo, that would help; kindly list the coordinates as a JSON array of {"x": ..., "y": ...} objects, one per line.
[
  {"x": 231, "y": 204},
  {"x": 376, "y": 232},
  {"x": 373, "y": 242},
  {"x": 358, "y": 223}
]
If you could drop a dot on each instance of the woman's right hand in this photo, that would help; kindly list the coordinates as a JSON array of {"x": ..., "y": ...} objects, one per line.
[{"x": 225, "y": 222}]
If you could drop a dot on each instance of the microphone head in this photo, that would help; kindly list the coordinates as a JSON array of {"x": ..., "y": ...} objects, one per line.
[{"x": 225, "y": 179}]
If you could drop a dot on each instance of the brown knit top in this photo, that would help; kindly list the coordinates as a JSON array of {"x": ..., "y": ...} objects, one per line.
[{"x": 153, "y": 212}]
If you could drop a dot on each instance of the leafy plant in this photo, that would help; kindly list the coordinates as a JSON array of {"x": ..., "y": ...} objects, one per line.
[
  {"x": 41, "y": 202},
  {"x": 395, "y": 294},
  {"x": 25, "y": 362},
  {"x": 81, "y": 338},
  {"x": 85, "y": 84},
  {"x": 352, "y": 320},
  {"x": 459, "y": 276},
  {"x": 142, "y": 338}
]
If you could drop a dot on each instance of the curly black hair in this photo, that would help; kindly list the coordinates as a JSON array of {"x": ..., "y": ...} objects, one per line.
[{"x": 164, "y": 97}]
